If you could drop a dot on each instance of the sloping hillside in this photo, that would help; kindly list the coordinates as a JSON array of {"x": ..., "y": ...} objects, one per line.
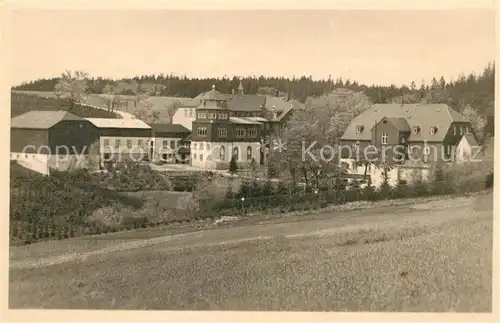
[{"x": 24, "y": 102}]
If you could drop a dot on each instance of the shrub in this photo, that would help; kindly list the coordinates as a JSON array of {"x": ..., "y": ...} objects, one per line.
[
  {"x": 419, "y": 188},
  {"x": 401, "y": 190},
  {"x": 368, "y": 193},
  {"x": 233, "y": 166}
]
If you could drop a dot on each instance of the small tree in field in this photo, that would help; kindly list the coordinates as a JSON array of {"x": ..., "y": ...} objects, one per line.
[{"x": 233, "y": 167}]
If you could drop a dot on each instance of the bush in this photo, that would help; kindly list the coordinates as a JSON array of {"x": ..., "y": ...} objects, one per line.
[
  {"x": 402, "y": 190},
  {"x": 368, "y": 192}
]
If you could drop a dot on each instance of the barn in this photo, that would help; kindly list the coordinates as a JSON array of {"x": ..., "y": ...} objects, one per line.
[{"x": 44, "y": 140}]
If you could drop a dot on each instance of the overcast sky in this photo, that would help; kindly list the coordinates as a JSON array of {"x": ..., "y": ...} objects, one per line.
[{"x": 380, "y": 47}]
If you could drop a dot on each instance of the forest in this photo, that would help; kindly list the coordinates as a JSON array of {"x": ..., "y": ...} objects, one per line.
[{"x": 475, "y": 90}]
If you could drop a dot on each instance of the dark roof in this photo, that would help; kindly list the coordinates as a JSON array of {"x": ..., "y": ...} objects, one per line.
[
  {"x": 400, "y": 123},
  {"x": 424, "y": 116},
  {"x": 168, "y": 127},
  {"x": 41, "y": 119},
  {"x": 246, "y": 102},
  {"x": 213, "y": 95}
]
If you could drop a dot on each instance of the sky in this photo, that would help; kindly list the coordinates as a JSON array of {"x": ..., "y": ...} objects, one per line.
[{"x": 371, "y": 47}]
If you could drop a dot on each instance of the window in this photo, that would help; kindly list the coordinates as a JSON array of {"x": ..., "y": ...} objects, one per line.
[
  {"x": 448, "y": 150},
  {"x": 427, "y": 150},
  {"x": 191, "y": 112},
  {"x": 172, "y": 144},
  {"x": 240, "y": 132},
  {"x": 201, "y": 131},
  {"x": 117, "y": 143},
  {"x": 252, "y": 133},
  {"x": 433, "y": 130},
  {"x": 211, "y": 115},
  {"x": 194, "y": 156},
  {"x": 201, "y": 146},
  {"x": 194, "y": 146},
  {"x": 249, "y": 153},
  {"x": 129, "y": 144},
  {"x": 410, "y": 149},
  {"x": 202, "y": 115},
  {"x": 416, "y": 130},
  {"x": 359, "y": 129},
  {"x": 467, "y": 130},
  {"x": 208, "y": 146},
  {"x": 152, "y": 143},
  {"x": 384, "y": 138},
  {"x": 455, "y": 130},
  {"x": 186, "y": 112},
  {"x": 222, "y": 153},
  {"x": 201, "y": 157},
  {"x": 222, "y": 132},
  {"x": 165, "y": 143},
  {"x": 461, "y": 130},
  {"x": 140, "y": 143},
  {"x": 106, "y": 142},
  {"x": 235, "y": 153}
]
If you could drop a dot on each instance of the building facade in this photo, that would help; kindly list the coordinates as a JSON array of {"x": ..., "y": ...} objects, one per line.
[
  {"x": 410, "y": 134},
  {"x": 169, "y": 143},
  {"x": 122, "y": 140},
  {"x": 217, "y": 136},
  {"x": 44, "y": 140}
]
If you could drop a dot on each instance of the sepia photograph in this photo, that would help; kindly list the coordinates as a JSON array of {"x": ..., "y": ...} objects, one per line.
[{"x": 333, "y": 160}]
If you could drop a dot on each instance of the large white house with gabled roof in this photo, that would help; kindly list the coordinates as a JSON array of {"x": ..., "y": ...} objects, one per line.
[{"x": 405, "y": 134}]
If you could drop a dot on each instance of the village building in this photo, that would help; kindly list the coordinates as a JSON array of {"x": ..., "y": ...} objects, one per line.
[
  {"x": 169, "y": 143},
  {"x": 217, "y": 136},
  {"x": 44, "y": 140},
  {"x": 122, "y": 140},
  {"x": 405, "y": 137}
]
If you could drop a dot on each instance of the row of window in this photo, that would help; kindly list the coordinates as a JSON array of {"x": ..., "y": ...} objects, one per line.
[
  {"x": 409, "y": 149},
  {"x": 213, "y": 115},
  {"x": 222, "y": 132},
  {"x": 188, "y": 112},
  {"x": 201, "y": 146},
  {"x": 432, "y": 130},
  {"x": 222, "y": 154},
  {"x": 128, "y": 142}
]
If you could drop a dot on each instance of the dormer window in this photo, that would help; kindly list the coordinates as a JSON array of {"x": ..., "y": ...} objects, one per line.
[
  {"x": 433, "y": 130},
  {"x": 359, "y": 129},
  {"x": 415, "y": 130}
]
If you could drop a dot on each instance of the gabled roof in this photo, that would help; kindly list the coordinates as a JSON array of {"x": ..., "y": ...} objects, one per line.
[
  {"x": 168, "y": 127},
  {"x": 400, "y": 123},
  {"x": 424, "y": 116},
  {"x": 42, "y": 119},
  {"x": 118, "y": 123}
]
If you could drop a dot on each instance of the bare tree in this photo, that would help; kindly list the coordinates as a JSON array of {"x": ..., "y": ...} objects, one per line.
[
  {"x": 72, "y": 87},
  {"x": 320, "y": 125}
]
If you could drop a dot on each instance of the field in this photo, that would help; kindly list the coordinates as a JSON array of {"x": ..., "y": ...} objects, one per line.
[
  {"x": 429, "y": 256},
  {"x": 158, "y": 103}
]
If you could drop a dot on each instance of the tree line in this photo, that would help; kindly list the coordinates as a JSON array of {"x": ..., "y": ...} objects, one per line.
[{"x": 476, "y": 90}]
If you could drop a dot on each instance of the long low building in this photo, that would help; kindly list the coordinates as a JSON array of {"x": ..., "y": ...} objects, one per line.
[
  {"x": 44, "y": 140},
  {"x": 122, "y": 140}
]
